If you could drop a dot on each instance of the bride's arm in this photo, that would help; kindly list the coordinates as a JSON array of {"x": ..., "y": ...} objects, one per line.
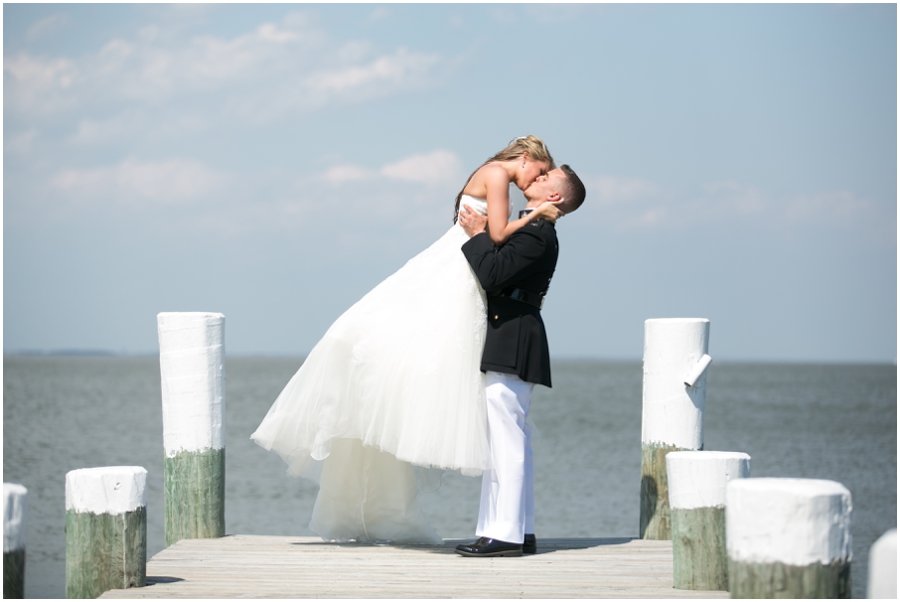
[{"x": 499, "y": 226}]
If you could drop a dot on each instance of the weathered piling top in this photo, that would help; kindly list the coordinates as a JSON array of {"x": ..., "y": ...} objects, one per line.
[{"x": 242, "y": 566}]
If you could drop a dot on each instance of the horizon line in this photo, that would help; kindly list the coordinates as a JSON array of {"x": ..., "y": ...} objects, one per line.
[{"x": 64, "y": 352}]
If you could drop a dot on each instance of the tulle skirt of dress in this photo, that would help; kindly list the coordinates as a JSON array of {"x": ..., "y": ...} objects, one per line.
[{"x": 395, "y": 382}]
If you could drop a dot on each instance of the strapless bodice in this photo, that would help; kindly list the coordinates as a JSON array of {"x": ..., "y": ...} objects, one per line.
[{"x": 479, "y": 205}]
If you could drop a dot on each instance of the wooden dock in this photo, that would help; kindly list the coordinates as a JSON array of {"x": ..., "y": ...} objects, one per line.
[{"x": 257, "y": 566}]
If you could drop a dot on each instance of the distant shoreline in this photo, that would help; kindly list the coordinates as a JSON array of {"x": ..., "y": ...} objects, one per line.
[
  {"x": 97, "y": 352},
  {"x": 563, "y": 359}
]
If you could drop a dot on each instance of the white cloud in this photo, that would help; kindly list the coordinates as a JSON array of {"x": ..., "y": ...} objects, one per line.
[
  {"x": 21, "y": 143},
  {"x": 435, "y": 168},
  {"x": 263, "y": 73},
  {"x": 271, "y": 32},
  {"x": 655, "y": 208},
  {"x": 633, "y": 203},
  {"x": 161, "y": 181},
  {"x": 353, "y": 51},
  {"x": 36, "y": 84},
  {"x": 399, "y": 68},
  {"x": 46, "y": 26},
  {"x": 842, "y": 209},
  {"x": 731, "y": 199},
  {"x": 380, "y": 13},
  {"x": 91, "y": 131},
  {"x": 837, "y": 205},
  {"x": 652, "y": 218},
  {"x": 347, "y": 173},
  {"x": 613, "y": 189}
]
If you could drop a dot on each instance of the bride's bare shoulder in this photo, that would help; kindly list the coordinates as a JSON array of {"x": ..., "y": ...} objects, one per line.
[{"x": 485, "y": 177}]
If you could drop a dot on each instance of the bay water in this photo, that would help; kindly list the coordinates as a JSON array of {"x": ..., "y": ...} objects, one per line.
[{"x": 836, "y": 422}]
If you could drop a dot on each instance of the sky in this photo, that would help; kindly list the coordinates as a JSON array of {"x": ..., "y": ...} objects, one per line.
[{"x": 275, "y": 162}]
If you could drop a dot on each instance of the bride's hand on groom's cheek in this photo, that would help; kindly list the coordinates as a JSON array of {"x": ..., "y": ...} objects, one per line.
[{"x": 548, "y": 211}]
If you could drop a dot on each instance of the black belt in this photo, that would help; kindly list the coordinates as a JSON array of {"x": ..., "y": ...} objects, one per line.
[{"x": 535, "y": 299}]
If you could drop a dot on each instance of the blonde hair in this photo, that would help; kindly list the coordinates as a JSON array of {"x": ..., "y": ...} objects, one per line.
[{"x": 534, "y": 146}]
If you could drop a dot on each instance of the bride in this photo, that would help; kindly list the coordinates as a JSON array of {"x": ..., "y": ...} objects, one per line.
[{"x": 396, "y": 380}]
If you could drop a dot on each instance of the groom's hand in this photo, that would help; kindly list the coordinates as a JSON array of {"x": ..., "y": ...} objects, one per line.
[{"x": 472, "y": 222}]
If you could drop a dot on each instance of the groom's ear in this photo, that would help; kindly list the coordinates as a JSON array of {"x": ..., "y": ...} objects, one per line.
[{"x": 554, "y": 196}]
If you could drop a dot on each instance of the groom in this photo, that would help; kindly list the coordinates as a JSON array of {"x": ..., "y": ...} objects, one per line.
[{"x": 516, "y": 357}]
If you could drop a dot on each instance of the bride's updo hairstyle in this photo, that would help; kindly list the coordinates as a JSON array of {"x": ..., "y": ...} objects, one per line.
[{"x": 534, "y": 146}]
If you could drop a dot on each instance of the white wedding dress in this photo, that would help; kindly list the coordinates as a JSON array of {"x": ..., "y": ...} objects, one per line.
[{"x": 395, "y": 382}]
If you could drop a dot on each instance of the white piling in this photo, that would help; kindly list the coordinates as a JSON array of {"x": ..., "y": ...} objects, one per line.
[
  {"x": 192, "y": 369},
  {"x": 675, "y": 366},
  {"x": 697, "y": 482},
  {"x": 106, "y": 530},
  {"x": 883, "y": 567},
  {"x": 15, "y": 498},
  {"x": 788, "y": 538}
]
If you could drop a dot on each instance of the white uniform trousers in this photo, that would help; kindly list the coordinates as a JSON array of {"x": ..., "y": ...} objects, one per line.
[{"x": 507, "y": 489}]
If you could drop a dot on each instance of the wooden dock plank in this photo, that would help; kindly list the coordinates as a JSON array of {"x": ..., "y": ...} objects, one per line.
[{"x": 263, "y": 566}]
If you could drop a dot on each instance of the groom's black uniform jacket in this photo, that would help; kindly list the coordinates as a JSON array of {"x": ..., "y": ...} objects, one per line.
[{"x": 516, "y": 342}]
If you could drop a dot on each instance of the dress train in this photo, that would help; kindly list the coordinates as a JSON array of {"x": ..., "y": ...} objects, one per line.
[{"x": 395, "y": 382}]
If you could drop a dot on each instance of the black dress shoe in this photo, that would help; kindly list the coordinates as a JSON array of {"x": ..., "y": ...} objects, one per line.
[
  {"x": 485, "y": 546},
  {"x": 530, "y": 545}
]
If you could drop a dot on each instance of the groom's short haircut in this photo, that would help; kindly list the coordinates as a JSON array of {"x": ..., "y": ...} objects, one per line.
[{"x": 573, "y": 191}]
